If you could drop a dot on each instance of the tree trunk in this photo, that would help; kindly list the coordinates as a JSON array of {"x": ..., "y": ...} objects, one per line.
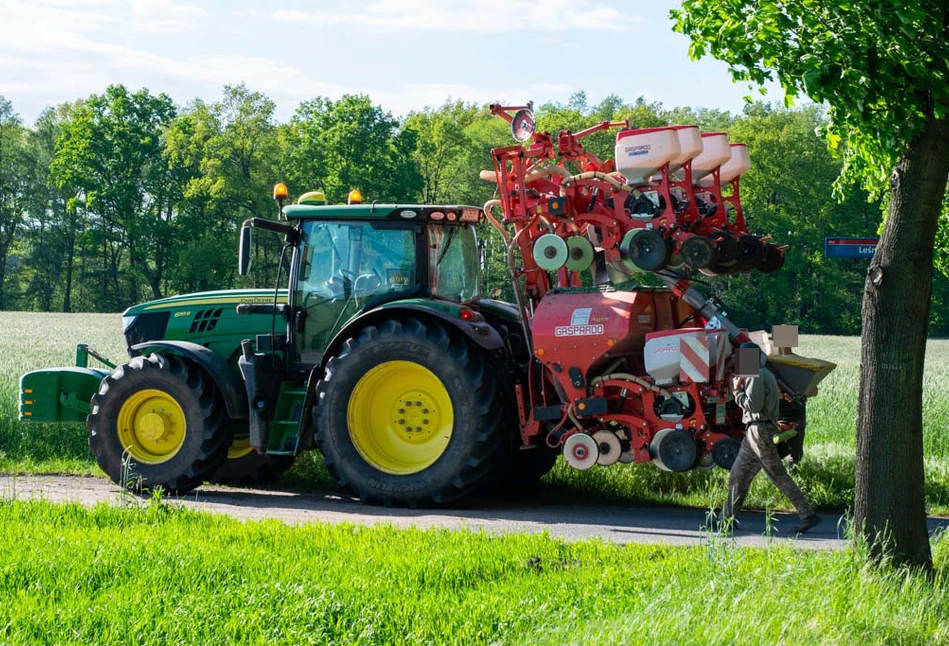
[
  {"x": 890, "y": 508},
  {"x": 3, "y": 267},
  {"x": 154, "y": 281},
  {"x": 67, "y": 292}
]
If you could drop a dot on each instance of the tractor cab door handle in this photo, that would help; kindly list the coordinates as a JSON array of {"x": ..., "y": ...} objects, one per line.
[{"x": 299, "y": 319}]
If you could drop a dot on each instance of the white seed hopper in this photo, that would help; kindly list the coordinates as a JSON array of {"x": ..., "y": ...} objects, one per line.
[
  {"x": 640, "y": 153},
  {"x": 690, "y": 145},
  {"x": 736, "y": 166},
  {"x": 715, "y": 152},
  {"x": 662, "y": 354}
]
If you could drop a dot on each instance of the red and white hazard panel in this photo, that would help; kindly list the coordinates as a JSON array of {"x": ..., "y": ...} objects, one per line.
[{"x": 694, "y": 358}]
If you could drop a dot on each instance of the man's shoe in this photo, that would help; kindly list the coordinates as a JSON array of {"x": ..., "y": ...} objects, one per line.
[{"x": 807, "y": 524}]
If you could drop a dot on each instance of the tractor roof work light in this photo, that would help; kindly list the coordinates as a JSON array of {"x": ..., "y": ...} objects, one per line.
[
  {"x": 355, "y": 197},
  {"x": 280, "y": 193}
]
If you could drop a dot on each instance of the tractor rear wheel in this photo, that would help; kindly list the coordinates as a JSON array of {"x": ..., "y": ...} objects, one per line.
[
  {"x": 406, "y": 415},
  {"x": 157, "y": 421},
  {"x": 246, "y": 467}
]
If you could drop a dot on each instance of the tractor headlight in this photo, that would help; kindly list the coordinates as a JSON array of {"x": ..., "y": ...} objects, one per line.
[{"x": 127, "y": 322}]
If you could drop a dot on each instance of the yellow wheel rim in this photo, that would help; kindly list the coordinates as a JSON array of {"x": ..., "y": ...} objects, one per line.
[
  {"x": 400, "y": 417},
  {"x": 239, "y": 448},
  {"x": 152, "y": 426}
]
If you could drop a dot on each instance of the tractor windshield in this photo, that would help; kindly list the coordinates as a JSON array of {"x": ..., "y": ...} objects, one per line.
[{"x": 454, "y": 268}]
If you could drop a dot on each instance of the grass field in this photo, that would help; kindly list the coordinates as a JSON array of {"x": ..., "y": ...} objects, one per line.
[
  {"x": 148, "y": 573},
  {"x": 31, "y": 340}
]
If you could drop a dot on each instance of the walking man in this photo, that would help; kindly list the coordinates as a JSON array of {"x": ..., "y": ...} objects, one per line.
[{"x": 758, "y": 398}]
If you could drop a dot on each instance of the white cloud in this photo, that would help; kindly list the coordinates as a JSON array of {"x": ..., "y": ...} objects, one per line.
[
  {"x": 59, "y": 50},
  {"x": 40, "y": 23},
  {"x": 487, "y": 16},
  {"x": 157, "y": 16}
]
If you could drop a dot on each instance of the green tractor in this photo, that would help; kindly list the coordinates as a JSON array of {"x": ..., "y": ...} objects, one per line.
[{"x": 380, "y": 354}]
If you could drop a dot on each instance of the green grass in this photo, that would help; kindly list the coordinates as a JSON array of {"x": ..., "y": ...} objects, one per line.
[
  {"x": 148, "y": 573},
  {"x": 32, "y": 341}
]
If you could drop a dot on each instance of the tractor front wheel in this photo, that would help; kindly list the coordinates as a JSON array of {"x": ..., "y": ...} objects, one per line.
[
  {"x": 157, "y": 421},
  {"x": 407, "y": 415}
]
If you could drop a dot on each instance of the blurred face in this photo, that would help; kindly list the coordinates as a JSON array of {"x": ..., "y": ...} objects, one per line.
[{"x": 748, "y": 362}]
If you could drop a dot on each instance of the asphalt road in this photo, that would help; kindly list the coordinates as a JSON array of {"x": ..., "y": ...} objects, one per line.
[{"x": 572, "y": 522}]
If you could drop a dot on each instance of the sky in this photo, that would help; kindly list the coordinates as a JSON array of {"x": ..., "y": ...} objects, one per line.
[{"x": 405, "y": 54}]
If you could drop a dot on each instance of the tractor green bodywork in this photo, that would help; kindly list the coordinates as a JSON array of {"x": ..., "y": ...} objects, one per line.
[
  {"x": 58, "y": 394},
  {"x": 351, "y": 266},
  {"x": 207, "y": 318}
]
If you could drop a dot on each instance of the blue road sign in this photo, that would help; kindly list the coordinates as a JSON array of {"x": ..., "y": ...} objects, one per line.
[{"x": 850, "y": 247}]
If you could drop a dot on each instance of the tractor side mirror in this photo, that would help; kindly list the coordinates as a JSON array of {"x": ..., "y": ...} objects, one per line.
[{"x": 244, "y": 258}]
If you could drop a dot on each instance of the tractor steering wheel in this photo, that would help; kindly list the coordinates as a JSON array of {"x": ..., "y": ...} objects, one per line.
[
  {"x": 366, "y": 282},
  {"x": 341, "y": 283}
]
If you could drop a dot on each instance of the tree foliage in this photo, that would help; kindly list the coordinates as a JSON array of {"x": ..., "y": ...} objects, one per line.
[
  {"x": 14, "y": 182},
  {"x": 109, "y": 156},
  {"x": 224, "y": 156},
  {"x": 341, "y": 145},
  {"x": 215, "y": 163},
  {"x": 880, "y": 66}
]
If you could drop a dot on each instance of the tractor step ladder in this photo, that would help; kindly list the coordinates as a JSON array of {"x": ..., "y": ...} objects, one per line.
[{"x": 285, "y": 429}]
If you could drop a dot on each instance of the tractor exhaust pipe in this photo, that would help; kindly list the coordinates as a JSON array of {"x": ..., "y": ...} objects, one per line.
[{"x": 258, "y": 414}]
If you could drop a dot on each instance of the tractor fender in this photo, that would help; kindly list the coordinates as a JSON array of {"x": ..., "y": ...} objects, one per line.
[
  {"x": 228, "y": 383},
  {"x": 480, "y": 332}
]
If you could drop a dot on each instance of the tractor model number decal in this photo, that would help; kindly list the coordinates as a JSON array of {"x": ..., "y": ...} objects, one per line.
[
  {"x": 578, "y": 330},
  {"x": 398, "y": 278}
]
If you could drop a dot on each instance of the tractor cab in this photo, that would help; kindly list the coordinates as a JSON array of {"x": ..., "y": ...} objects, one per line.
[
  {"x": 353, "y": 259},
  {"x": 353, "y": 267}
]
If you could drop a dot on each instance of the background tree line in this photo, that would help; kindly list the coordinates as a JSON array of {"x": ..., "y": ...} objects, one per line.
[{"x": 123, "y": 196}]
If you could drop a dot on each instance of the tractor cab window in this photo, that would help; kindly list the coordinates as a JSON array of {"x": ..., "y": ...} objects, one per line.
[
  {"x": 343, "y": 267},
  {"x": 356, "y": 260},
  {"x": 454, "y": 265}
]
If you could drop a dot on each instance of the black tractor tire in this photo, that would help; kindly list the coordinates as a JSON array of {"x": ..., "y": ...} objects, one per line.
[
  {"x": 252, "y": 469},
  {"x": 477, "y": 436},
  {"x": 751, "y": 252},
  {"x": 206, "y": 437},
  {"x": 773, "y": 259},
  {"x": 726, "y": 248},
  {"x": 699, "y": 252},
  {"x": 649, "y": 251}
]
